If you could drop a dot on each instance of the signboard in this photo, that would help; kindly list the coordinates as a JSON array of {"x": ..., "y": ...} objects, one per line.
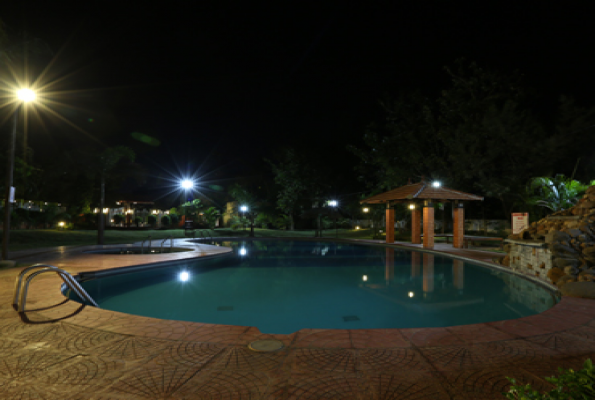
[
  {"x": 11, "y": 195},
  {"x": 520, "y": 221}
]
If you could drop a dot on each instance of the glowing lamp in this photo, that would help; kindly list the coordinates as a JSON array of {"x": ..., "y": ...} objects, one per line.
[
  {"x": 105, "y": 210},
  {"x": 410, "y": 294},
  {"x": 243, "y": 251},
  {"x": 436, "y": 184},
  {"x": 412, "y": 206},
  {"x": 187, "y": 184},
  {"x": 243, "y": 208},
  {"x": 333, "y": 203},
  {"x": 61, "y": 224},
  {"x": 184, "y": 276},
  {"x": 357, "y": 228},
  {"x": 26, "y": 95},
  {"x": 365, "y": 278},
  {"x": 366, "y": 209}
]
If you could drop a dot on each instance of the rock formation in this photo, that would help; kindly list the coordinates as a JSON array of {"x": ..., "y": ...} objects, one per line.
[{"x": 570, "y": 239}]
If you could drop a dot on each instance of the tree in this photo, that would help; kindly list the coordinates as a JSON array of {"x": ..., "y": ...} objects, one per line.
[
  {"x": 211, "y": 216},
  {"x": 246, "y": 198},
  {"x": 291, "y": 176}
]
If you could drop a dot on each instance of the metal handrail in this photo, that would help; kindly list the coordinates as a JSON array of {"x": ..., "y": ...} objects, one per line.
[
  {"x": 19, "y": 302},
  {"x": 171, "y": 243},
  {"x": 142, "y": 245}
]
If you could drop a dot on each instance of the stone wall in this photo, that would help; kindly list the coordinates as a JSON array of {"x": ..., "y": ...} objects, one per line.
[
  {"x": 566, "y": 243},
  {"x": 529, "y": 257}
]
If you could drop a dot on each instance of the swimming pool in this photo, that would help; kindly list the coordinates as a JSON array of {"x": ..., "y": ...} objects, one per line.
[{"x": 283, "y": 286}]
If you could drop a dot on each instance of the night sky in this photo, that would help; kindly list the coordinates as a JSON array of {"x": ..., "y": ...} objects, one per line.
[{"x": 222, "y": 85}]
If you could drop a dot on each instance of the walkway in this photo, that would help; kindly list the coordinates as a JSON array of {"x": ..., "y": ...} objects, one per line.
[{"x": 63, "y": 350}]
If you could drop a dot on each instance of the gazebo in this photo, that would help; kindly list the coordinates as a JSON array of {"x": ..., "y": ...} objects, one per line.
[{"x": 420, "y": 195}]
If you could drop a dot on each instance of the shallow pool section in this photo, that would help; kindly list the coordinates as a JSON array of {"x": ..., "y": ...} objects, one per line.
[{"x": 283, "y": 286}]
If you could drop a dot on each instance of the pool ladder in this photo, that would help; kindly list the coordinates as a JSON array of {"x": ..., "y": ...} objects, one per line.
[
  {"x": 142, "y": 245},
  {"x": 21, "y": 288},
  {"x": 171, "y": 243}
]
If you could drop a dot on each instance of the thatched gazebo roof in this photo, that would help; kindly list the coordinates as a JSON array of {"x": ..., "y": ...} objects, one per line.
[{"x": 420, "y": 191}]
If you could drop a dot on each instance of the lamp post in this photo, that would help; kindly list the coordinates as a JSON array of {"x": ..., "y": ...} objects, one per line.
[
  {"x": 187, "y": 185},
  {"x": 334, "y": 204},
  {"x": 25, "y": 96},
  {"x": 243, "y": 209}
]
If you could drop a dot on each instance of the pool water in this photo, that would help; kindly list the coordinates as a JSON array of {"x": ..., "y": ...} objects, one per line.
[{"x": 283, "y": 286}]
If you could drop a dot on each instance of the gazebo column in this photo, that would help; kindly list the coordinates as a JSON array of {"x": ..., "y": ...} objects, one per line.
[
  {"x": 428, "y": 225},
  {"x": 458, "y": 225},
  {"x": 390, "y": 224},
  {"x": 416, "y": 226}
]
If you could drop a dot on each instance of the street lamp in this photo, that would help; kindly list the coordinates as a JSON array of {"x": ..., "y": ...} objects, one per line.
[
  {"x": 334, "y": 204},
  {"x": 187, "y": 185},
  {"x": 24, "y": 96},
  {"x": 243, "y": 209}
]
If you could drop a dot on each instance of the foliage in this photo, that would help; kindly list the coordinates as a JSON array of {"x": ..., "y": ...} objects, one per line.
[
  {"x": 282, "y": 222},
  {"x": 211, "y": 215},
  {"x": 152, "y": 220},
  {"x": 175, "y": 218},
  {"x": 237, "y": 222},
  {"x": 557, "y": 193},
  {"x": 292, "y": 177},
  {"x": 165, "y": 220},
  {"x": 119, "y": 218},
  {"x": 137, "y": 220},
  {"x": 570, "y": 384}
]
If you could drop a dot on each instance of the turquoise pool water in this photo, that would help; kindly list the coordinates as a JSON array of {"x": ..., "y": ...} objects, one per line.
[{"x": 282, "y": 286}]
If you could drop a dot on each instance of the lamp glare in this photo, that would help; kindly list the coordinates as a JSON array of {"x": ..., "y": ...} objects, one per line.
[
  {"x": 436, "y": 184},
  {"x": 187, "y": 184},
  {"x": 26, "y": 95}
]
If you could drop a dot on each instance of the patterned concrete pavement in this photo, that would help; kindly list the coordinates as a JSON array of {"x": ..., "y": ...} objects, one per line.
[{"x": 63, "y": 350}]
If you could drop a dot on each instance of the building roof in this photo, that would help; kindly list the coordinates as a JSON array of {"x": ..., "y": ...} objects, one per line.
[{"x": 420, "y": 191}]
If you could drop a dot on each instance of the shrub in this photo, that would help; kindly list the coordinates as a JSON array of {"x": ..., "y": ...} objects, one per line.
[
  {"x": 138, "y": 220},
  {"x": 165, "y": 220},
  {"x": 175, "y": 218},
  {"x": 570, "y": 384},
  {"x": 119, "y": 218},
  {"x": 152, "y": 220}
]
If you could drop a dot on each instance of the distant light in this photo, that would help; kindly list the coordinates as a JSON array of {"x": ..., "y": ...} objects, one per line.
[
  {"x": 184, "y": 276},
  {"x": 365, "y": 278},
  {"x": 436, "y": 184},
  {"x": 112, "y": 221},
  {"x": 357, "y": 227},
  {"x": 333, "y": 203},
  {"x": 187, "y": 184},
  {"x": 411, "y": 294},
  {"x": 26, "y": 95},
  {"x": 366, "y": 209},
  {"x": 61, "y": 223},
  {"x": 243, "y": 208},
  {"x": 412, "y": 206},
  {"x": 243, "y": 251},
  {"x": 105, "y": 210}
]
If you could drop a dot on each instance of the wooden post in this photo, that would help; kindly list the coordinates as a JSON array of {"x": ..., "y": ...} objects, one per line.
[
  {"x": 415, "y": 226},
  {"x": 458, "y": 226},
  {"x": 390, "y": 224},
  {"x": 428, "y": 225}
]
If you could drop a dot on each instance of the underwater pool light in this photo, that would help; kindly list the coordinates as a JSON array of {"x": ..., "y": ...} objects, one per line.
[
  {"x": 411, "y": 294},
  {"x": 184, "y": 276}
]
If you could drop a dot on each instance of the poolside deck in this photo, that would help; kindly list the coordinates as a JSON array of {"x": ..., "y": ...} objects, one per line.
[{"x": 63, "y": 350}]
